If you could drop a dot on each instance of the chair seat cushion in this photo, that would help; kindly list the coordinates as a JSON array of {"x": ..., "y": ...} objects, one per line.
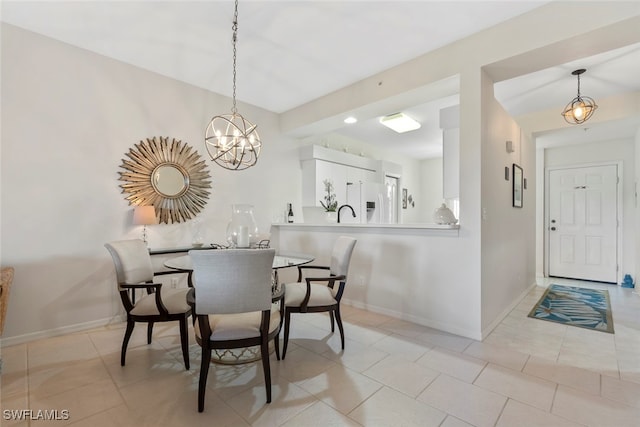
[
  {"x": 321, "y": 294},
  {"x": 175, "y": 300},
  {"x": 239, "y": 326}
]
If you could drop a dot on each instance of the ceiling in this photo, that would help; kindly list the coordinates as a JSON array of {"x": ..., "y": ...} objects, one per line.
[{"x": 293, "y": 52}]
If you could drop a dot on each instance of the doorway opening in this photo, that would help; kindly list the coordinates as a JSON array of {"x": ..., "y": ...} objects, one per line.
[{"x": 583, "y": 222}]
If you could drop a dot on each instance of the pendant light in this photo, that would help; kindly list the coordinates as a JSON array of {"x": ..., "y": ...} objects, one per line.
[
  {"x": 581, "y": 107},
  {"x": 231, "y": 140}
]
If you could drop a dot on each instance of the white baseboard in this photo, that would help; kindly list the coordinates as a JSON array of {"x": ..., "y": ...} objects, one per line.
[
  {"x": 475, "y": 335},
  {"x": 20, "y": 339},
  {"x": 472, "y": 334},
  {"x": 49, "y": 333}
]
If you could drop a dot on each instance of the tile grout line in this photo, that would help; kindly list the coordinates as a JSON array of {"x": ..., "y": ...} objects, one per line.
[{"x": 495, "y": 423}]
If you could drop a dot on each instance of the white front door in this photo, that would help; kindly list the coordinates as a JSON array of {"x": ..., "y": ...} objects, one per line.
[{"x": 583, "y": 223}]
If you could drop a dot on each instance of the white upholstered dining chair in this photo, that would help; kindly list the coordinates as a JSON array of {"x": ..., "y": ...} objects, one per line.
[
  {"x": 320, "y": 293},
  {"x": 134, "y": 271},
  {"x": 233, "y": 306}
]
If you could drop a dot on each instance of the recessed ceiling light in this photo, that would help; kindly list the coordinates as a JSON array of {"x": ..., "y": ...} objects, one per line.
[
  {"x": 400, "y": 122},
  {"x": 350, "y": 120}
]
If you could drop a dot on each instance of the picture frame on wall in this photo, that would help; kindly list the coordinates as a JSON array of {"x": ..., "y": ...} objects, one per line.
[
  {"x": 517, "y": 186},
  {"x": 404, "y": 198}
]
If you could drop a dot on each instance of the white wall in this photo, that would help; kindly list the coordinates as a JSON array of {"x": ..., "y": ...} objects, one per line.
[
  {"x": 410, "y": 274},
  {"x": 636, "y": 206},
  {"x": 431, "y": 196},
  {"x": 68, "y": 117},
  {"x": 612, "y": 109},
  {"x": 517, "y": 47},
  {"x": 89, "y": 111},
  {"x": 602, "y": 152},
  {"x": 508, "y": 233}
]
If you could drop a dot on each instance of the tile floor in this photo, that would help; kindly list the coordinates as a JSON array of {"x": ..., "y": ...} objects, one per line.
[{"x": 392, "y": 373}]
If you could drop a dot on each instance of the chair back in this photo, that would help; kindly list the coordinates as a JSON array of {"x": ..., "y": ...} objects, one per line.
[
  {"x": 132, "y": 261},
  {"x": 341, "y": 255},
  {"x": 232, "y": 280}
]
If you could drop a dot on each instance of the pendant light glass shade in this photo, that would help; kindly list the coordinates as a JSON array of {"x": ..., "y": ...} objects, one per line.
[
  {"x": 581, "y": 107},
  {"x": 231, "y": 140}
]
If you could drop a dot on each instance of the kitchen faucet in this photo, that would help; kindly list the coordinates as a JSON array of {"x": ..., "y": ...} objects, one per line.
[{"x": 345, "y": 206}]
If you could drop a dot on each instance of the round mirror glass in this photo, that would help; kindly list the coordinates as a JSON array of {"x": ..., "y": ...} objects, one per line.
[
  {"x": 167, "y": 174},
  {"x": 168, "y": 180}
]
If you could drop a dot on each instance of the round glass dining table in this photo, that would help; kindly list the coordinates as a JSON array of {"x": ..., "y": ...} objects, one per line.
[
  {"x": 248, "y": 354},
  {"x": 183, "y": 263}
]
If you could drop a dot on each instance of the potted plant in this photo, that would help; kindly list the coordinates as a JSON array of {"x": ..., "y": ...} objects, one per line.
[{"x": 330, "y": 204}]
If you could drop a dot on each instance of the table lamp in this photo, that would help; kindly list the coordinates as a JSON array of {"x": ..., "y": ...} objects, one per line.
[{"x": 144, "y": 215}]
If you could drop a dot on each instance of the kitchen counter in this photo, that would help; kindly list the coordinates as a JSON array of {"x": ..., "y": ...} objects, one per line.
[
  {"x": 413, "y": 272},
  {"x": 415, "y": 229}
]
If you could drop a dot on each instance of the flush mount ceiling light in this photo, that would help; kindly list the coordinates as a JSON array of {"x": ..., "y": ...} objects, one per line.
[
  {"x": 350, "y": 120},
  {"x": 581, "y": 107},
  {"x": 400, "y": 122},
  {"x": 231, "y": 140}
]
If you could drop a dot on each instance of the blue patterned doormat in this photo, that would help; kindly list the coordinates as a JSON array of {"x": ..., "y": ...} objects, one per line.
[{"x": 585, "y": 308}]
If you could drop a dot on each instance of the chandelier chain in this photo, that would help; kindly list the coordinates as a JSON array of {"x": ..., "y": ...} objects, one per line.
[
  {"x": 231, "y": 140},
  {"x": 234, "y": 110}
]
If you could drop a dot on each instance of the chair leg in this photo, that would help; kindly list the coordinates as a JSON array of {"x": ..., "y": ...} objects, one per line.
[
  {"x": 276, "y": 343},
  {"x": 204, "y": 372},
  {"x": 125, "y": 342},
  {"x": 149, "y": 332},
  {"x": 266, "y": 367},
  {"x": 339, "y": 320},
  {"x": 184, "y": 341},
  {"x": 333, "y": 328},
  {"x": 287, "y": 320}
]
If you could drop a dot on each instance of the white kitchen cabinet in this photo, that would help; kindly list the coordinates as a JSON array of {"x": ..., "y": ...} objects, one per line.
[
  {"x": 314, "y": 173},
  {"x": 320, "y": 163},
  {"x": 355, "y": 175}
]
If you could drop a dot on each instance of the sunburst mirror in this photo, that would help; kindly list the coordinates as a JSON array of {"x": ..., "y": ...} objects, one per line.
[{"x": 170, "y": 175}]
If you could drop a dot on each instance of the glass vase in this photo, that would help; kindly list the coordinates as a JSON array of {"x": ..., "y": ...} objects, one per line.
[
  {"x": 242, "y": 231},
  {"x": 196, "y": 233}
]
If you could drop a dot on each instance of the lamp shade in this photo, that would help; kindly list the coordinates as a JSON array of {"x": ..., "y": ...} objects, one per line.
[{"x": 144, "y": 215}]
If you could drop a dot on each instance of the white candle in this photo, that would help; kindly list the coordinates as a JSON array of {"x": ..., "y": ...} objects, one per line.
[{"x": 243, "y": 236}]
